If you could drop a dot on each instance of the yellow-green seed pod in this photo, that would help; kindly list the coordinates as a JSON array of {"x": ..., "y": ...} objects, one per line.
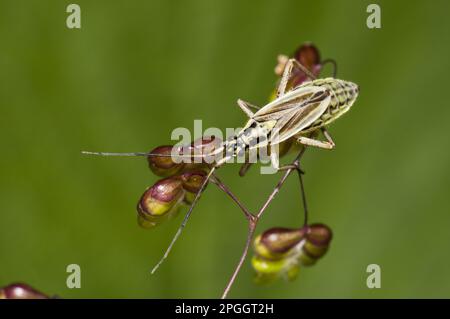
[
  {"x": 318, "y": 237},
  {"x": 267, "y": 270},
  {"x": 160, "y": 202},
  {"x": 292, "y": 272},
  {"x": 280, "y": 251},
  {"x": 306, "y": 260},
  {"x": 277, "y": 243},
  {"x": 276, "y": 254},
  {"x": 265, "y": 266}
]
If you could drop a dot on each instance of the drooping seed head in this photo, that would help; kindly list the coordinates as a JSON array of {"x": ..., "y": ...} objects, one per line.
[
  {"x": 318, "y": 238},
  {"x": 277, "y": 242},
  {"x": 192, "y": 182},
  {"x": 268, "y": 271},
  {"x": 280, "y": 251},
  {"x": 276, "y": 254},
  {"x": 319, "y": 234},
  {"x": 159, "y": 202},
  {"x": 202, "y": 151},
  {"x": 21, "y": 291},
  {"x": 308, "y": 55},
  {"x": 163, "y": 166}
]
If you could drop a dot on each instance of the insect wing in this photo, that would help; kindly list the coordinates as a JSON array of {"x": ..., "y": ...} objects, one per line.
[
  {"x": 299, "y": 118},
  {"x": 285, "y": 104}
]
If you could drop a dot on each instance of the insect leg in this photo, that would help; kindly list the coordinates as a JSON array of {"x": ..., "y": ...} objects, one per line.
[
  {"x": 328, "y": 136},
  {"x": 291, "y": 166},
  {"x": 316, "y": 143},
  {"x": 304, "y": 69},
  {"x": 244, "y": 169},
  {"x": 185, "y": 220},
  {"x": 285, "y": 78},
  {"x": 287, "y": 75},
  {"x": 246, "y": 107},
  {"x": 275, "y": 160}
]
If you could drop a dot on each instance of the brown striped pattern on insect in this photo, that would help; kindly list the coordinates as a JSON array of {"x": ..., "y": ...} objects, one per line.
[{"x": 343, "y": 95}]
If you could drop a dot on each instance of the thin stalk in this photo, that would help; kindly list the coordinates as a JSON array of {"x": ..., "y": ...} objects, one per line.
[
  {"x": 253, "y": 222},
  {"x": 216, "y": 180},
  {"x": 305, "y": 205}
]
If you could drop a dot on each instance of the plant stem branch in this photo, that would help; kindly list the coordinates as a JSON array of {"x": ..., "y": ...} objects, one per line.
[
  {"x": 216, "y": 180},
  {"x": 253, "y": 221},
  {"x": 251, "y": 230}
]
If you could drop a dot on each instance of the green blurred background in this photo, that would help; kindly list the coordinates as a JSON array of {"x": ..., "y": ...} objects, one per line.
[{"x": 138, "y": 69}]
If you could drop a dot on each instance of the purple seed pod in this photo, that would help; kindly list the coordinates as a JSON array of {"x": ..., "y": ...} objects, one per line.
[
  {"x": 21, "y": 291},
  {"x": 163, "y": 166},
  {"x": 274, "y": 243},
  {"x": 159, "y": 202},
  {"x": 318, "y": 238},
  {"x": 308, "y": 55},
  {"x": 202, "y": 150},
  {"x": 192, "y": 182},
  {"x": 279, "y": 252},
  {"x": 166, "y": 166}
]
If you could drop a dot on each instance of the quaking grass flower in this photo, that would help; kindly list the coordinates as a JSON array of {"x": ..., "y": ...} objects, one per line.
[
  {"x": 166, "y": 166},
  {"x": 279, "y": 252},
  {"x": 183, "y": 179},
  {"x": 163, "y": 200}
]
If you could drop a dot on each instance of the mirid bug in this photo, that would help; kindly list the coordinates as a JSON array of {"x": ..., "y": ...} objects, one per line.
[{"x": 298, "y": 113}]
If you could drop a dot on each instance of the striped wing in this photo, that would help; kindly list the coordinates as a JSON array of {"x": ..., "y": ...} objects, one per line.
[{"x": 294, "y": 111}]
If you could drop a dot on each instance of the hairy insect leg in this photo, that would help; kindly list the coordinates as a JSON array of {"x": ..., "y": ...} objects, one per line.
[
  {"x": 316, "y": 143},
  {"x": 328, "y": 144},
  {"x": 294, "y": 165},
  {"x": 246, "y": 107},
  {"x": 185, "y": 220},
  {"x": 275, "y": 160},
  {"x": 304, "y": 69},
  {"x": 287, "y": 75},
  {"x": 328, "y": 136}
]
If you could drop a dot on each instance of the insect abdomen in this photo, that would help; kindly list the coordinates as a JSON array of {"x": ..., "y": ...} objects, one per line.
[{"x": 343, "y": 95}]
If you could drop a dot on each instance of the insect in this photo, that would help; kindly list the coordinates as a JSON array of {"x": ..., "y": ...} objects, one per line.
[{"x": 298, "y": 113}]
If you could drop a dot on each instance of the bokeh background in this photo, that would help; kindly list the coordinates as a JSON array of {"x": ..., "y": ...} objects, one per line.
[{"x": 138, "y": 69}]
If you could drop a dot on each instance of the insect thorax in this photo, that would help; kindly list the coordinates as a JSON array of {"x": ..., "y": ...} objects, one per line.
[
  {"x": 343, "y": 95},
  {"x": 252, "y": 137}
]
